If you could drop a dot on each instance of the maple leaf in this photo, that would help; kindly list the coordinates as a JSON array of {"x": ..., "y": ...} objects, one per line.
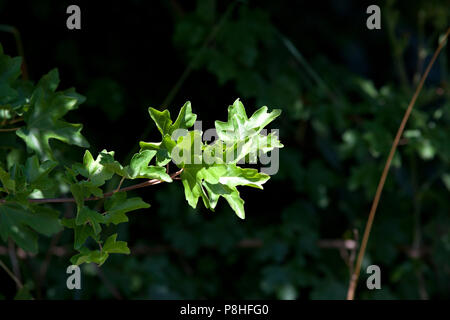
[{"x": 44, "y": 118}]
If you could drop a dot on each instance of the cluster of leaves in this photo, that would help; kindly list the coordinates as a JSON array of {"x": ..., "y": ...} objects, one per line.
[
  {"x": 42, "y": 108},
  {"x": 216, "y": 177},
  {"x": 17, "y": 215}
]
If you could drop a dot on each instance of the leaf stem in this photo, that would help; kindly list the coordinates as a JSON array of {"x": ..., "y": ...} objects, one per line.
[
  {"x": 120, "y": 185},
  {"x": 16, "y": 120},
  {"x": 376, "y": 200}
]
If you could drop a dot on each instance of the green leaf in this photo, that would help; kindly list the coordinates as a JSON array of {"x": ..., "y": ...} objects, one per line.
[
  {"x": 88, "y": 256},
  {"x": 188, "y": 150},
  {"x": 9, "y": 72},
  {"x": 232, "y": 176},
  {"x": 90, "y": 188},
  {"x": 44, "y": 220},
  {"x": 79, "y": 193},
  {"x": 185, "y": 119},
  {"x": 18, "y": 222},
  {"x": 86, "y": 215},
  {"x": 161, "y": 119},
  {"x": 8, "y": 184},
  {"x": 94, "y": 170},
  {"x": 231, "y": 194},
  {"x": 96, "y": 174},
  {"x": 13, "y": 223},
  {"x": 82, "y": 233},
  {"x": 192, "y": 179},
  {"x": 17, "y": 174},
  {"x": 187, "y": 154},
  {"x": 118, "y": 205},
  {"x": 36, "y": 172},
  {"x": 239, "y": 126},
  {"x": 113, "y": 246},
  {"x": 139, "y": 167},
  {"x": 241, "y": 134},
  {"x": 107, "y": 160},
  {"x": 140, "y": 160},
  {"x": 162, "y": 148},
  {"x": 44, "y": 118},
  {"x": 37, "y": 175},
  {"x": 220, "y": 180}
]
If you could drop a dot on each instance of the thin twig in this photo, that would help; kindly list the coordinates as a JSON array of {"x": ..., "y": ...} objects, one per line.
[
  {"x": 42, "y": 273},
  {"x": 105, "y": 195},
  {"x": 309, "y": 70},
  {"x": 9, "y": 272},
  {"x": 376, "y": 200},
  {"x": 353, "y": 251},
  {"x": 16, "y": 120},
  {"x": 397, "y": 50},
  {"x": 190, "y": 67},
  {"x": 9, "y": 129},
  {"x": 66, "y": 250},
  {"x": 114, "y": 291},
  {"x": 46, "y": 263},
  {"x": 13, "y": 258},
  {"x": 192, "y": 63}
]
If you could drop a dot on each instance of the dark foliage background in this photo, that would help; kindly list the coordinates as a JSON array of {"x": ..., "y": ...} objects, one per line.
[{"x": 343, "y": 90}]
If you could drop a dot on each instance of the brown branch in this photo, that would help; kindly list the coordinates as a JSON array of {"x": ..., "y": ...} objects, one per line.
[
  {"x": 16, "y": 120},
  {"x": 48, "y": 257},
  {"x": 9, "y": 129},
  {"x": 353, "y": 252},
  {"x": 250, "y": 243},
  {"x": 376, "y": 200},
  {"x": 105, "y": 195},
  {"x": 14, "y": 261},
  {"x": 348, "y": 244},
  {"x": 138, "y": 250},
  {"x": 347, "y": 248},
  {"x": 5, "y": 122}
]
